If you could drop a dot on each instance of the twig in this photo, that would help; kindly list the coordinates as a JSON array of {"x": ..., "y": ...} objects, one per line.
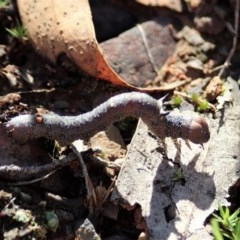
[
  {"x": 11, "y": 202},
  {"x": 186, "y": 96},
  {"x": 145, "y": 43},
  {"x": 35, "y": 173},
  {"x": 109, "y": 190},
  {"x": 91, "y": 192},
  {"x": 234, "y": 45},
  {"x": 228, "y": 25},
  {"x": 38, "y": 173},
  {"x": 90, "y": 189},
  {"x": 103, "y": 163},
  {"x": 23, "y": 183},
  {"x": 36, "y": 91}
]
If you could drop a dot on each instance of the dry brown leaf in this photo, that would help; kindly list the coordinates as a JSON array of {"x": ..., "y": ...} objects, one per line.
[
  {"x": 65, "y": 27},
  {"x": 171, "y": 4},
  {"x": 214, "y": 89},
  {"x": 57, "y": 27}
]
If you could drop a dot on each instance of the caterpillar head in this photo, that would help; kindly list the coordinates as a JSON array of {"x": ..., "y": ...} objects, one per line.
[{"x": 198, "y": 130}]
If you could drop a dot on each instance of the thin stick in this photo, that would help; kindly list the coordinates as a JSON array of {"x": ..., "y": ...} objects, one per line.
[
  {"x": 109, "y": 190},
  {"x": 228, "y": 60},
  {"x": 90, "y": 190},
  {"x": 186, "y": 96},
  {"x": 145, "y": 43},
  {"x": 23, "y": 183},
  {"x": 34, "y": 173}
]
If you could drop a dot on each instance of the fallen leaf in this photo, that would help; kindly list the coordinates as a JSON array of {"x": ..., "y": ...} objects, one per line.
[
  {"x": 214, "y": 89},
  {"x": 57, "y": 27}
]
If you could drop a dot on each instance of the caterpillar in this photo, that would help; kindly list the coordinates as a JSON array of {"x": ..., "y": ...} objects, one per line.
[{"x": 66, "y": 129}]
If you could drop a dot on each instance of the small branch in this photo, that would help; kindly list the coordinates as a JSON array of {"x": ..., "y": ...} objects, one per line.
[
  {"x": 145, "y": 43},
  {"x": 30, "y": 175},
  {"x": 35, "y": 173},
  {"x": 186, "y": 96},
  {"x": 23, "y": 183},
  {"x": 109, "y": 190},
  {"x": 90, "y": 189},
  {"x": 234, "y": 45}
]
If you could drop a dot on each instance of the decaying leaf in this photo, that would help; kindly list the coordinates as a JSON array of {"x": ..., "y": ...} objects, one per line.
[
  {"x": 58, "y": 27},
  {"x": 214, "y": 89}
]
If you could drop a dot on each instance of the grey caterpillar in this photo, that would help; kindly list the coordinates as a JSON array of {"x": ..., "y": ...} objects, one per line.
[{"x": 66, "y": 129}]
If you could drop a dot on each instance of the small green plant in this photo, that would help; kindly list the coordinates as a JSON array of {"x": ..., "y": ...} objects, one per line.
[
  {"x": 3, "y": 3},
  {"x": 226, "y": 225},
  {"x": 179, "y": 175},
  {"x": 177, "y": 101},
  {"x": 202, "y": 104},
  {"x": 19, "y": 32},
  {"x": 103, "y": 155}
]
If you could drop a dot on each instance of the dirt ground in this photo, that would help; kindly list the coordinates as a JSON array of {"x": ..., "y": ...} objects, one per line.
[{"x": 186, "y": 55}]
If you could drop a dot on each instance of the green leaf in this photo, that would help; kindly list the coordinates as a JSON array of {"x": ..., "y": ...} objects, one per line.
[
  {"x": 234, "y": 216},
  {"x": 222, "y": 212},
  {"x": 218, "y": 218},
  {"x": 216, "y": 230},
  {"x": 3, "y": 3},
  {"x": 177, "y": 101},
  {"x": 178, "y": 175},
  {"x": 236, "y": 232},
  {"x": 203, "y": 106},
  {"x": 195, "y": 97},
  {"x": 19, "y": 32}
]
